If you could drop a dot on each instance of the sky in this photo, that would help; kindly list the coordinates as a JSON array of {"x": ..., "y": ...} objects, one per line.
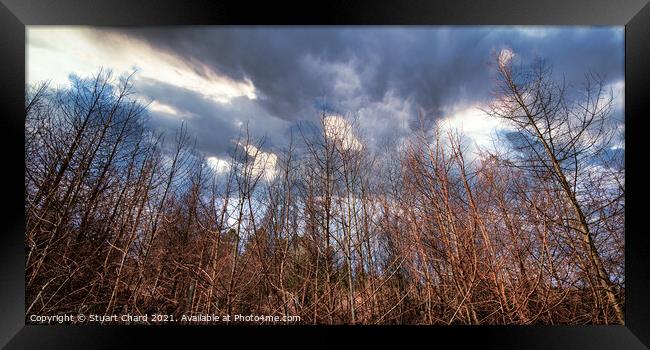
[{"x": 273, "y": 79}]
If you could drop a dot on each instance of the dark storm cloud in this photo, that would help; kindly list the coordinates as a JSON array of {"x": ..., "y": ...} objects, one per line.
[
  {"x": 215, "y": 126},
  {"x": 434, "y": 65},
  {"x": 299, "y": 71}
]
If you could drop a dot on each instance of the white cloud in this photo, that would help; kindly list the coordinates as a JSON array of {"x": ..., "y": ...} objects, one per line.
[
  {"x": 618, "y": 88},
  {"x": 264, "y": 163},
  {"x": 158, "y": 107},
  {"x": 505, "y": 56},
  {"x": 219, "y": 166},
  {"x": 339, "y": 130},
  {"x": 164, "y": 110},
  {"x": 54, "y": 52},
  {"x": 474, "y": 124}
]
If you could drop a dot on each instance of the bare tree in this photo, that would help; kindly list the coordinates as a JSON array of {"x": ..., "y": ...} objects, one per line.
[
  {"x": 120, "y": 219},
  {"x": 558, "y": 139}
]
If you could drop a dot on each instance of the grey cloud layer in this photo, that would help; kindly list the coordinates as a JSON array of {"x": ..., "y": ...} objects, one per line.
[{"x": 384, "y": 75}]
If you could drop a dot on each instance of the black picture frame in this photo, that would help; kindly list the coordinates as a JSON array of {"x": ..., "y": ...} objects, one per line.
[{"x": 16, "y": 14}]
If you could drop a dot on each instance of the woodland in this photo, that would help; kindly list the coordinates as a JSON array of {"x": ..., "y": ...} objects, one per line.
[{"x": 120, "y": 219}]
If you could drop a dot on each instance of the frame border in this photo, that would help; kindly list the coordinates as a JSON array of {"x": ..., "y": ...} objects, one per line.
[{"x": 16, "y": 14}]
